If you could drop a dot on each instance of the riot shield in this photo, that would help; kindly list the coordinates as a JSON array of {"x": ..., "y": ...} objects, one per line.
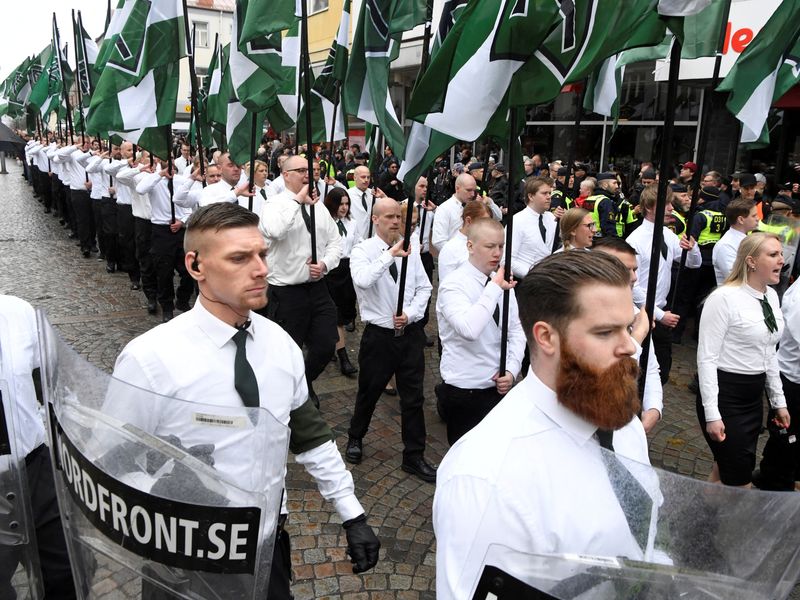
[
  {"x": 181, "y": 496},
  {"x": 701, "y": 540},
  {"x": 20, "y": 575},
  {"x": 788, "y": 229}
]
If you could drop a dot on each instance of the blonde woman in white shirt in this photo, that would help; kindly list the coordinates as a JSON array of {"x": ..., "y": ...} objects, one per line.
[
  {"x": 577, "y": 229},
  {"x": 736, "y": 359}
]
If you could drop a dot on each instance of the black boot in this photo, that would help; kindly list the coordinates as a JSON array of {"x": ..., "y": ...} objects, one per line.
[{"x": 345, "y": 365}]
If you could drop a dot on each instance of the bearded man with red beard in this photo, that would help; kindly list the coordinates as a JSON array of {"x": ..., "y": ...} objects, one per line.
[{"x": 532, "y": 476}]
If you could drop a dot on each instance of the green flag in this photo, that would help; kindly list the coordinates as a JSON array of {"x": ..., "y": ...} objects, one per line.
[
  {"x": 263, "y": 17},
  {"x": 376, "y": 43},
  {"x": 138, "y": 87},
  {"x": 18, "y": 86},
  {"x": 765, "y": 71},
  {"x": 324, "y": 89},
  {"x": 86, "y": 51},
  {"x": 47, "y": 92}
]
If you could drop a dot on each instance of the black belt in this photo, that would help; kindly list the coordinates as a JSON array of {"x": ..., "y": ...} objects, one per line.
[{"x": 410, "y": 327}]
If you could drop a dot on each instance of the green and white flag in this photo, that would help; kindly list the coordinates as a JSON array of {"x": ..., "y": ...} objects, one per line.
[
  {"x": 117, "y": 19},
  {"x": 47, "y": 94},
  {"x": 376, "y": 43},
  {"x": 18, "y": 85},
  {"x": 86, "y": 51},
  {"x": 216, "y": 100},
  {"x": 324, "y": 89},
  {"x": 138, "y": 87},
  {"x": 263, "y": 17},
  {"x": 264, "y": 70},
  {"x": 765, "y": 71}
]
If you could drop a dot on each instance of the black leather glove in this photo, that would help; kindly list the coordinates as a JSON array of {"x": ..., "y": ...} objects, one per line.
[{"x": 362, "y": 544}]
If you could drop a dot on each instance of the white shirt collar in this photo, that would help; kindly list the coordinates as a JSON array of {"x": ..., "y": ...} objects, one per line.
[
  {"x": 545, "y": 399},
  {"x": 217, "y": 330},
  {"x": 753, "y": 292}
]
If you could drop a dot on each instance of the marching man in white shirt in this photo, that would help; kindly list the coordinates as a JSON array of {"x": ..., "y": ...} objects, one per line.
[
  {"x": 534, "y": 227},
  {"x": 641, "y": 240},
  {"x": 390, "y": 345},
  {"x": 299, "y": 300},
  {"x": 469, "y": 306},
  {"x": 362, "y": 199},
  {"x": 742, "y": 216},
  {"x": 531, "y": 475}
]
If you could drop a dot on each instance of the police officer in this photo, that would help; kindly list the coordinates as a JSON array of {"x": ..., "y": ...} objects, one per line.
[
  {"x": 468, "y": 306},
  {"x": 299, "y": 300},
  {"x": 603, "y": 204},
  {"x": 230, "y": 293},
  {"x": 560, "y": 196},
  {"x": 391, "y": 344}
]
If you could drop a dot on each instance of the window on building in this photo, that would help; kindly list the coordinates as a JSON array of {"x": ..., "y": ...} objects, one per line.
[
  {"x": 201, "y": 33},
  {"x": 315, "y": 6}
]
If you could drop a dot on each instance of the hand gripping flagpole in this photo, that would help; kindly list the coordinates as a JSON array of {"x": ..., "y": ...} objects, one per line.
[
  {"x": 426, "y": 42},
  {"x": 661, "y": 203}
]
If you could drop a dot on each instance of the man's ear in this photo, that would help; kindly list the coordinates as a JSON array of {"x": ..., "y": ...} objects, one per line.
[{"x": 546, "y": 338}]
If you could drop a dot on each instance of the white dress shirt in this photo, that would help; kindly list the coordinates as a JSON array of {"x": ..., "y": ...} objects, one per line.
[
  {"x": 140, "y": 203},
  {"x": 352, "y": 236},
  {"x": 155, "y": 187},
  {"x": 452, "y": 255},
  {"x": 470, "y": 337},
  {"x": 734, "y": 338},
  {"x": 19, "y": 356},
  {"x": 377, "y": 292},
  {"x": 724, "y": 253},
  {"x": 789, "y": 349},
  {"x": 124, "y": 180},
  {"x": 181, "y": 164},
  {"x": 289, "y": 240},
  {"x": 530, "y": 476},
  {"x": 73, "y": 162},
  {"x": 653, "y": 390},
  {"x": 527, "y": 246},
  {"x": 157, "y": 361},
  {"x": 426, "y": 235},
  {"x": 217, "y": 192},
  {"x": 259, "y": 197},
  {"x": 94, "y": 167},
  {"x": 449, "y": 219},
  {"x": 276, "y": 186},
  {"x": 186, "y": 191},
  {"x": 358, "y": 199},
  {"x": 642, "y": 241}
]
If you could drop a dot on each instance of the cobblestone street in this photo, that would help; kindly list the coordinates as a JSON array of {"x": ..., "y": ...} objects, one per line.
[{"x": 98, "y": 314}]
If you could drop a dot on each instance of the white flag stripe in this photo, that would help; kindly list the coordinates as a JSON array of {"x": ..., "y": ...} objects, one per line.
[
  {"x": 137, "y": 105},
  {"x": 754, "y": 113}
]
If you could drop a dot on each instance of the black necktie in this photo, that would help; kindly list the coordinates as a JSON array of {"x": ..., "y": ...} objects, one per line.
[
  {"x": 393, "y": 269},
  {"x": 769, "y": 316},
  {"x": 364, "y": 200},
  {"x": 663, "y": 249},
  {"x": 244, "y": 379},
  {"x": 342, "y": 230},
  {"x": 636, "y": 503},
  {"x": 306, "y": 217},
  {"x": 263, "y": 194},
  {"x": 542, "y": 228},
  {"x": 496, "y": 313}
]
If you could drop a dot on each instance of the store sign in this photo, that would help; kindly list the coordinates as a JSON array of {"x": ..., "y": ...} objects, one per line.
[{"x": 746, "y": 19}]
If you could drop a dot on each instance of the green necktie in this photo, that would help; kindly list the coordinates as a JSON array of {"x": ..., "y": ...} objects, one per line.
[
  {"x": 342, "y": 230},
  {"x": 244, "y": 378},
  {"x": 769, "y": 316}
]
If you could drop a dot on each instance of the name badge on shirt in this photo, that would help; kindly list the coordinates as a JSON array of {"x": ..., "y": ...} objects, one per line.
[{"x": 220, "y": 421}]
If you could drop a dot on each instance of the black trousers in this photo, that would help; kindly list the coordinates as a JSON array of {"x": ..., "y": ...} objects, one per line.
[
  {"x": 143, "y": 231},
  {"x": 97, "y": 216},
  {"x": 53, "y": 555},
  {"x": 82, "y": 205},
  {"x": 382, "y": 355},
  {"x": 35, "y": 179},
  {"x": 70, "y": 209},
  {"x": 781, "y": 457},
  {"x": 463, "y": 409},
  {"x": 427, "y": 264},
  {"x": 45, "y": 189},
  {"x": 109, "y": 244},
  {"x": 307, "y": 313},
  {"x": 59, "y": 201},
  {"x": 166, "y": 249},
  {"x": 662, "y": 346},
  {"x": 126, "y": 246},
  {"x": 343, "y": 294}
]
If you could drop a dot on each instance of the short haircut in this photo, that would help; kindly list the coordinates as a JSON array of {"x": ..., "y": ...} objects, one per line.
[
  {"x": 549, "y": 292},
  {"x": 334, "y": 200},
  {"x": 716, "y": 176},
  {"x": 615, "y": 244},
  {"x": 482, "y": 224},
  {"x": 589, "y": 182},
  {"x": 463, "y": 179},
  {"x": 216, "y": 217},
  {"x": 474, "y": 211},
  {"x": 738, "y": 208},
  {"x": 535, "y": 183},
  {"x": 649, "y": 197}
]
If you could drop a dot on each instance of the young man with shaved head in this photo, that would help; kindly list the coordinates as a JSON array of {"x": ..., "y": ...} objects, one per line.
[
  {"x": 448, "y": 215},
  {"x": 391, "y": 344},
  {"x": 362, "y": 198},
  {"x": 469, "y": 306}
]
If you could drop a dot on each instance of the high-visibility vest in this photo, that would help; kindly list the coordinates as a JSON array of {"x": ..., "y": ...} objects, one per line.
[
  {"x": 679, "y": 226},
  {"x": 715, "y": 227},
  {"x": 595, "y": 201},
  {"x": 624, "y": 217}
]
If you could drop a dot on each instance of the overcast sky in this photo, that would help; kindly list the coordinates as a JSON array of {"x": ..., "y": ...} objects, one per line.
[{"x": 26, "y": 30}]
